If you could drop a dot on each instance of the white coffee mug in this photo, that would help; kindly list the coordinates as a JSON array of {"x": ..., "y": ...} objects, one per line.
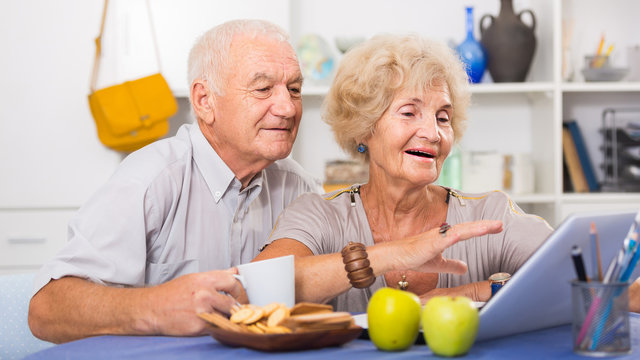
[{"x": 269, "y": 281}]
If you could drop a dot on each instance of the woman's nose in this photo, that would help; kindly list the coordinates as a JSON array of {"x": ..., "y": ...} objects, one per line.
[{"x": 429, "y": 129}]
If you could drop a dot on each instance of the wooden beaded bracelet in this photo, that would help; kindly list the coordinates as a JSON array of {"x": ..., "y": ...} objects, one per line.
[{"x": 359, "y": 271}]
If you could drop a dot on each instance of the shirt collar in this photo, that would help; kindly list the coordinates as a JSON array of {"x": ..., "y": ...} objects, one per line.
[{"x": 215, "y": 172}]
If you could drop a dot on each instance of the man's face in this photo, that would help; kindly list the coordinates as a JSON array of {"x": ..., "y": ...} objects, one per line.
[{"x": 256, "y": 119}]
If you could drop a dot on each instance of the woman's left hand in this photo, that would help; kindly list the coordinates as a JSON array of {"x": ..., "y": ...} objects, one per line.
[
  {"x": 477, "y": 291},
  {"x": 423, "y": 252}
]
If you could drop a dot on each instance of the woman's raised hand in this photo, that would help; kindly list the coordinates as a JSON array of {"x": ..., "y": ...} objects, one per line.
[{"x": 423, "y": 252}]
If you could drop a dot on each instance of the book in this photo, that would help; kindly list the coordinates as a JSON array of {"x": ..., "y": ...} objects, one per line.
[
  {"x": 566, "y": 179},
  {"x": 583, "y": 155},
  {"x": 570, "y": 154}
]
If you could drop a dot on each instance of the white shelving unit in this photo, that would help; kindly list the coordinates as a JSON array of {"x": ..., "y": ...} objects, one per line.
[
  {"x": 603, "y": 87},
  {"x": 510, "y": 117},
  {"x": 584, "y": 101}
]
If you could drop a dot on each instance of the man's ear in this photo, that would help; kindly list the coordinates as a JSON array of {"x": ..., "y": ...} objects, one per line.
[{"x": 202, "y": 102}]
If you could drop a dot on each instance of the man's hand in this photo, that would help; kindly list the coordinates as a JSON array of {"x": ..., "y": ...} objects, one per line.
[
  {"x": 175, "y": 304},
  {"x": 71, "y": 308}
]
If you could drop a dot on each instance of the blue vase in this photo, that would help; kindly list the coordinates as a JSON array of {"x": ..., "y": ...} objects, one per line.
[{"x": 472, "y": 53}]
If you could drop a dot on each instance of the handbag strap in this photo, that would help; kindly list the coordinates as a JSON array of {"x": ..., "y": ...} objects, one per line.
[{"x": 98, "y": 40}]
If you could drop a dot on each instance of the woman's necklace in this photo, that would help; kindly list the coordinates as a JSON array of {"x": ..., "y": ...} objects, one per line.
[{"x": 403, "y": 284}]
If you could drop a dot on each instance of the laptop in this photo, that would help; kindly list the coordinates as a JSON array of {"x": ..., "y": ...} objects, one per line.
[{"x": 538, "y": 295}]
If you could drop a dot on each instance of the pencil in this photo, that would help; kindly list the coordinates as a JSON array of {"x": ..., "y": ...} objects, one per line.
[
  {"x": 600, "y": 45},
  {"x": 595, "y": 243},
  {"x": 609, "y": 50}
]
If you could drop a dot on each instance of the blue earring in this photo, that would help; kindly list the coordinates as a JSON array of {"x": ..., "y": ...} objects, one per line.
[{"x": 362, "y": 148}]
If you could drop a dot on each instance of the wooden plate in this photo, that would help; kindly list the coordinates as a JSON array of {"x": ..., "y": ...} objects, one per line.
[{"x": 285, "y": 342}]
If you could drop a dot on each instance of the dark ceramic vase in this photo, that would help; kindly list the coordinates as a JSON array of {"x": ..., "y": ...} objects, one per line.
[{"x": 510, "y": 43}]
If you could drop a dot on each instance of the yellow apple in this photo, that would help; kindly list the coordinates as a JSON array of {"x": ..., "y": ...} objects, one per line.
[
  {"x": 450, "y": 325},
  {"x": 394, "y": 319}
]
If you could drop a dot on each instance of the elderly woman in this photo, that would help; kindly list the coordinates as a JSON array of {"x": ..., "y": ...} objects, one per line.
[{"x": 399, "y": 103}]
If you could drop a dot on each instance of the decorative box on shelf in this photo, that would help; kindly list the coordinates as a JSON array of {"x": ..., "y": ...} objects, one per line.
[{"x": 343, "y": 173}]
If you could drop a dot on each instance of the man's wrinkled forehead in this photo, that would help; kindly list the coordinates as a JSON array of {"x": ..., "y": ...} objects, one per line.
[
  {"x": 263, "y": 42},
  {"x": 263, "y": 53}
]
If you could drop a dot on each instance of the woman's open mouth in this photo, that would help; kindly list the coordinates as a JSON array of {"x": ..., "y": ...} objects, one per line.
[{"x": 423, "y": 154}]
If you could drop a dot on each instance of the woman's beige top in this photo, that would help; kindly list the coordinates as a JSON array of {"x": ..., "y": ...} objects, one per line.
[{"x": 326, "y": 223}]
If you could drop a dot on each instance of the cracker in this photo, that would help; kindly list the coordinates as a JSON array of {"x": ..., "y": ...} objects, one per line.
[
  {"x": 241, "y": 315},
  {"x": 278, "y": 316},
  {"x": 319, "y": 321},
  {"x": 262, "y": 326},
  {"x": 220, "y": 321},
  {"x": 270, "y": 308},
  {"x": 308, "y": 308},
  {"x": 254, "y": 329},
  {"x": 256, "y": 315}
]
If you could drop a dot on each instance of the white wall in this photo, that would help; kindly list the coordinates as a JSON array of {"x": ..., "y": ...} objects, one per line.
[
  {"x": 177, "y": 25},
  {"x": 49, "y": 152},
  {"x": 50, "y": 156}
]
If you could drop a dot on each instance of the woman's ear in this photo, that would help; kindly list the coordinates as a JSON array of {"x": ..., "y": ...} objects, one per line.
[{"x": 202, "y": 102}]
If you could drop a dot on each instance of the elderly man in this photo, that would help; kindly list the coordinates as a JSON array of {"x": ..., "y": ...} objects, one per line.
[{"x": 145, "y": 252}]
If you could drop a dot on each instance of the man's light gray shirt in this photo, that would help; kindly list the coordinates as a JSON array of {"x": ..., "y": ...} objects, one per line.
[{"x": 172, "y": 208}]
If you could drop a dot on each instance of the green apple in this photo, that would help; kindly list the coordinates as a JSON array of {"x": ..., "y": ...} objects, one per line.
[
  {"x": 450, "y": 325},
  {"x": 394, "y": 319}
]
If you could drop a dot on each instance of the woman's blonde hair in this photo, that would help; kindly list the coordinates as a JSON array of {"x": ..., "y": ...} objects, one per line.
[{"x": 370, "y": 75}]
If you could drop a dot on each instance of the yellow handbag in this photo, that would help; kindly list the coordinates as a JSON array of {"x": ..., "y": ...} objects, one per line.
[{"x": 133, "y": 114}]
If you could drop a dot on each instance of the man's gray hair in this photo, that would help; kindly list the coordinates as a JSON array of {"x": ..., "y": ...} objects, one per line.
[{"x": 209, "y": 56}]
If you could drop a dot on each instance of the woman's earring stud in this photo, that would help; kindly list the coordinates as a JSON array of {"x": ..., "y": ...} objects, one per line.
[{"x": 362, "y": 148}]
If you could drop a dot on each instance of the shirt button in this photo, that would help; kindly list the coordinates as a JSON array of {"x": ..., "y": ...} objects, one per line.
[{"x": 218, "y": 194}]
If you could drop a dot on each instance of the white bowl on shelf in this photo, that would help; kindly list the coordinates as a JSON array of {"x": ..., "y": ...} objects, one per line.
[{"x": 604, "y": 73}]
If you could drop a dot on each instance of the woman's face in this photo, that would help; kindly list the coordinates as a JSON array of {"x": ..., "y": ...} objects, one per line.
[{"x": 413, "y": 137}]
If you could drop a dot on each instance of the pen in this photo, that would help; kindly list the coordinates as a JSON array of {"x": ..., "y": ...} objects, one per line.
[
  {"x": 619, "y": 266},
  {"x": 595, "y": 253},
  {"x": 576, "y": 255},
  {"x": 626, "y": 273}
]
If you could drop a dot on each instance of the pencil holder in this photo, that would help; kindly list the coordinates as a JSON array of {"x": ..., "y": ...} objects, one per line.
[{"x": 600, "y": 318}]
